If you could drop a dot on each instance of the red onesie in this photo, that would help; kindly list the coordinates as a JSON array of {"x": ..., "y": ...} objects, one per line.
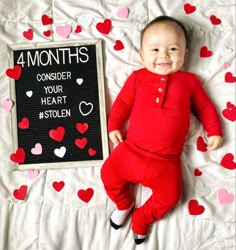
[{"x": 159, "y": 110}]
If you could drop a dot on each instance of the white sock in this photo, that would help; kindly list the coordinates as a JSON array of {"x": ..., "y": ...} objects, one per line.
[{"x": 119, "y": 216}]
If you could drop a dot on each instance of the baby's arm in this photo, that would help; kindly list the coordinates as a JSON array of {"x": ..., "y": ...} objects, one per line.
[
  {"x": 214, "y": 142},
  {"x": 116, "y": 136}
]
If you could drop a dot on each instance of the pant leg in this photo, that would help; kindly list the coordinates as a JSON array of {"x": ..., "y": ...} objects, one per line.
[
  {"x": 118, "y": 170},
  {"x": 165, "y": 179}
]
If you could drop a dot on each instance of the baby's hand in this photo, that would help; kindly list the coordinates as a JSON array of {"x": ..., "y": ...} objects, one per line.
[
  {"x": 116, "y": 136},
  {"x": 214, "y": 142}
]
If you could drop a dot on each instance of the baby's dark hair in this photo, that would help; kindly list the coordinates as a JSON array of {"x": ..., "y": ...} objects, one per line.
[{"x": 166, "y": 19}]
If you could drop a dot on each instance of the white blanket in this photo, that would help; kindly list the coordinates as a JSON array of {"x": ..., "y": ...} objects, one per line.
[{"x": 53, "y": 214}]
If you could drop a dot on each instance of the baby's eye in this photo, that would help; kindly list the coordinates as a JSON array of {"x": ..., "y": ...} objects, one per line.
[
  {"x": 155, "y": 49},
  {"x": 172, "y": 49}
]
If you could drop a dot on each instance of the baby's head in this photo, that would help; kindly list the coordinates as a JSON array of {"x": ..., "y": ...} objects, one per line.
[{"x": 164, "y": 45}]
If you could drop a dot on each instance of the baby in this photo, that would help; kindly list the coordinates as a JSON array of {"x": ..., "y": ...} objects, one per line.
[{"x": 158, "y": 100}]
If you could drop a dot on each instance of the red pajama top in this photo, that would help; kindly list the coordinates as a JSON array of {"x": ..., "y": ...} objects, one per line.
[{"x": 159, "y": 110}]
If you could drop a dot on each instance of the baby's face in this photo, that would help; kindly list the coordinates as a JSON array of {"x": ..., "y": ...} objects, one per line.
[{"x": 163, "y": 48}]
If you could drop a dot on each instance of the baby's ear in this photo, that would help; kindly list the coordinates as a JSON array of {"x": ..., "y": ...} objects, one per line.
[
  {"x": 141, "y": 54},
  {"x": 186, "y": 52}
]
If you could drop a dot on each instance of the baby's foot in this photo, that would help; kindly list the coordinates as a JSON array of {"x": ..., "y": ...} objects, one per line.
[
  {"x": 118, "y": 217},
  {"x": 139, "y": 239}
]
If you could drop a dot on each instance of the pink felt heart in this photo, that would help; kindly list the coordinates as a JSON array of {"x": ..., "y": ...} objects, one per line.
[
  {"x": 81, "y": 143},
  {"x": 58, "y": 186},
  {"x": 24, "y": 123},
  {"x": 201, "y": 145},
  {"x": 230, "y": 112},
  {"x": 82, "y": 127},
  {"x": 226, "y": 66},
  {"x": 224, "y": 197},
  {"x": 104, "y": 27},
  {"x": 37, "y": 150},
  {"x": 57, "y": 134},
  {"x": 188, "y": 8},
  {"x": 123, "y": 13},
  {"x": 28, "y": 34},
  {"x": 229, "y": 77},
  {"x": 15, "y": 72},
  {"x": 8, "y": 104},
  {"x": 197, "y": 172},
  {"x": 92, "y": 152},
  {"x": 19, "y": 156},
  {"x": 228, "y": 161},
  {"x": 32, "y": 174},
  {"x": 205, "y": 52},
  {"x": 64, "y": 31},
  {"x": 215, "y": 20},
  {"x": 86, "y": 195},
  {"x": 46, "y": 20},
  {"x": 119, "y": 45},
  {"x": 20, "y": 193},
  {"x": 194, "y": 208}
]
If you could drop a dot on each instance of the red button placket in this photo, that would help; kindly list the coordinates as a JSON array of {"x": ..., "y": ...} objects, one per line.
[{"x": 161, "y": 89}]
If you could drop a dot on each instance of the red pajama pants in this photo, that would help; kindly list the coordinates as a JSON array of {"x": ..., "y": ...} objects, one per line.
[{"x": 162, "y": 175}]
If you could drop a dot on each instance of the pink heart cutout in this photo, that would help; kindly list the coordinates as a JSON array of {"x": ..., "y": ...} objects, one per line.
[
  {"x": 37, "y": 150},
  {"x": 8, "y": 104},
  {"x": 64, "y": 31},
  {"x": 225, "y": 197},
  {"x": 123, "y": 13},
  {"x": 32, "y": 174}
]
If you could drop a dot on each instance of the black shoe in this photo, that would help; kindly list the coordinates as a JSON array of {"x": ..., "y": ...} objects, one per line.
[
  {"x": 137, "y": 240},
  {"x": 115, "y": 226}
]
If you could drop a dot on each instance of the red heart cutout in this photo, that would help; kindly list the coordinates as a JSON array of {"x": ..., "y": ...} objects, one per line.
[
  {"x": 85, "y": 195},
  {"x": 229, "y": 77},
  {"x": 92, "y": 151},
  {"x": 24, "y": 124},
  {"x": 228, "y": 161},
  {"x": 194, "y": 208},
  {"x": 28, "y": 34},
  {"x": 201, "y": 145},
  {"x": 215, "y": 20},
  {"x": 47, "y": 33},
  {"x": 119, "y": 45},
  {"x": 230, "y": 112},
  {"x": 57, "y": 134},
  {"x": 78, "y": 29},
  {"x": 81, "y": 143},
  {"x": 197, "y": 172},
  {"x": 20, "y": 193},
  {"x": 104, "y": 27},
  {"x": 46, "y": 20},
  {"x": 204, "y": 52},
  {"x": 58, "y": 186},
  {"x": 82, "y": 127},
  {"x": 19, "y": 156},
  {"x": 188, "y": 8},
  {"x": 14, "y": 73}
]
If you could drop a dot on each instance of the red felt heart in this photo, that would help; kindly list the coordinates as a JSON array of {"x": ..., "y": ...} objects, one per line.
[
  {"x": 229, "y": 77},
  {"x": 46, "y": 20},
  {"x": 230, "y": 112},
  {"x": 28, "y": 34},
  {"x": 204, "y": 52},
  {"x": 24, "y": 123},
  {"x": 78, "y": 29},
  {"x": 15, "y": 72},
  {"x": 47, "y": 33},
  {"x": 228, "y": 161},
  {"x": 58, "y": 186},
  {"x": 82, "y": 127},
  {"x": 85, "y": 195},
  {"x": 19, "y": 156},
  {"x": 57, "y": 134},
  {"x": 119, "y": 45},
  {"x": 104, "y": 27},
  {"x": 92, "y": 151},
  {"x": 215, "y": 20},
  {"x": 81, "y": 143},
  {"x": 20, "y": 193},
  {"x": 194, "y": 208},
  {"x": 197, "y": 172},
  {"x": 188, "y": 8},
  {"x": 201, "y": 145}
]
